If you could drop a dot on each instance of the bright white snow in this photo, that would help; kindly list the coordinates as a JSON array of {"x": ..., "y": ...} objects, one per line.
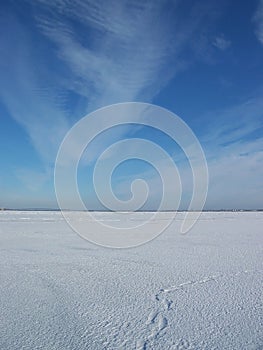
[{"x": 202, "y": 290}]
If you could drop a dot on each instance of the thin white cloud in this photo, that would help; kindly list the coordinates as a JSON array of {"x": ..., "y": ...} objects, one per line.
[
  {"x": 33, "y": 180},
  {"x": 234, "y": 149},
  {"x": 121, "y": 51},
  {"x": 111, "y": 52},
  {"x": 235, "y": 180},
  {"x": 22, "y": 92},
  {"x": 126, "y": 55},
  {"x": 221, "y": 43},
  {"x": 258, "y": 20},
  {"x": 234, "y": 159},
  {"x": 232, "y": 124}
]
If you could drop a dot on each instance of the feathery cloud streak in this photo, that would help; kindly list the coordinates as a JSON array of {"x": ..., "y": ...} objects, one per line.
[
  {"x": 132, "y": 48},
  {"x": 100, "y": 52},
  {"x": 258, "y": 19}
]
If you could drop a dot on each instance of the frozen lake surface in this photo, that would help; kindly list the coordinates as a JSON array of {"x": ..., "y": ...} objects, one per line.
[{"x": 202, "y": 290}]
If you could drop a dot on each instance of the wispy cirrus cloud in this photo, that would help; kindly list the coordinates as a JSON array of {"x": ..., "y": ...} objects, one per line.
[
  {"x": 221, "y": 43},
  {"x": 233, "y": 124},
  {"x": 233, "y": 144},
  {"x": 23, "y": 91},
  {"x": 95, "y": 53},
  {"x": 122, "y": 51},
  {"x": 258, "y": 20}
]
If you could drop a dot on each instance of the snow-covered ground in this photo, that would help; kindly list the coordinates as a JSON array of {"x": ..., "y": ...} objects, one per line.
[{"x": 202, "y": 290}]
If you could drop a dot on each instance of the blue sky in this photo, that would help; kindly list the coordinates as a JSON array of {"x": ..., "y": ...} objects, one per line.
[{"x": 63, "y": 59}]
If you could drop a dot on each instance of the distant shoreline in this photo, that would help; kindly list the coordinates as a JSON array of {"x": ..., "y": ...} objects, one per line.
[{"x": 126, "y": 211}]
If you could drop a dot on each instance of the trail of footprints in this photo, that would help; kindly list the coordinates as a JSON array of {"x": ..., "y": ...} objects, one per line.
[{"x": 157, "y": 320}]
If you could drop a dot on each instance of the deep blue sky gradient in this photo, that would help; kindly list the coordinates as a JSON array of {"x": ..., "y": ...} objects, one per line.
[{"x": 201, "y": 60}]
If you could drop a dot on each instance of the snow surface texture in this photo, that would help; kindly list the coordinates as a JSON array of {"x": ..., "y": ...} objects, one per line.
[{"x": 202, "y": 290}]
